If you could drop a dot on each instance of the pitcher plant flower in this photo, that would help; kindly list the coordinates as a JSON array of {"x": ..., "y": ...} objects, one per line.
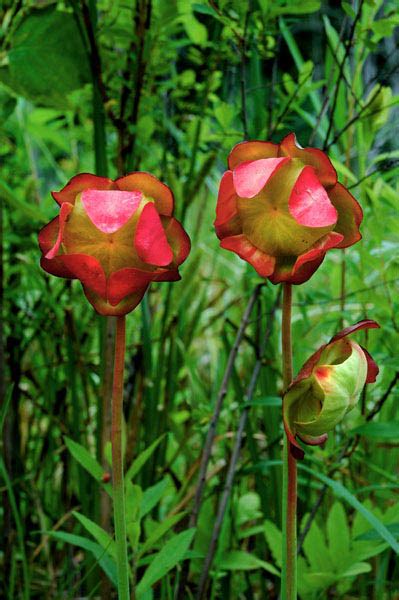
[
  {"x": 116, "y": 237},
  {"x": 281, "y": 208},
  {"x": 327, "y": 387}
]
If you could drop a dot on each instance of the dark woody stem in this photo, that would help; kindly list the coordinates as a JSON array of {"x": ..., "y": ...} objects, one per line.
[
  {"x": 289, "y": 570},
  {"x": 117, "y": 463}
]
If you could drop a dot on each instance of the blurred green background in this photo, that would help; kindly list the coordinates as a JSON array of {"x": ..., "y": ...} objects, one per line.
[{"x": 169, "y": 87}]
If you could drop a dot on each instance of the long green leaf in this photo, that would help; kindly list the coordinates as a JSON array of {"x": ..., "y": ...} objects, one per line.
[
  {"x": 142, "y": 458},
  {"x": 99, "y": 534},
  {"x": 85, "y": 459}
]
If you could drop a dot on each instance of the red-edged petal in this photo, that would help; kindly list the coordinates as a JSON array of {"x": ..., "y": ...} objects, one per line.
[
  {"x": 313, "y": 441},
  {"x": 310, "y": 156},
  {"x": 127, "y": 281},
  {"x": 251, "y": 177},
  {"x": 295, "y": 449},
  {"x": 88, "y": 270},
  {"x": 319, "y": 249},
  {"x": 150, "y": 240},
  {"x": 364, "y": 324},
  {"x": 350, "y": 215},
  {"x": 66, "y": 209},
  {"x": 263, "y": 263},
  {"x": 79, "y": 183},
  {"x": 48, "y": 235},
  {"x": 372, "y": 367},
  {"x": 227, "y": 220},
  {"x": 309, "y": 203},
  {"x": 169, "y": 275},
  {"x": 245, "y": 151},
  {"x": 151, "y": 187},
  {"x": 178, "y": 239},
  {"x": 109, "y": 210},
  {"x": 56, "y": 267}
]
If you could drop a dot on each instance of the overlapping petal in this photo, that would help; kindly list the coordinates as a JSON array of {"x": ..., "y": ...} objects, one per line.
[
  {"x": 115, "y": 237},
  {"x": 280, "y": 208}
]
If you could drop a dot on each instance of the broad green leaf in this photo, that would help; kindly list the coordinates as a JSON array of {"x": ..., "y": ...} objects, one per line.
[
  {"x": 84, "y": 458},
  {"x": 162, "y": 562},
  {"x": 357, "y": 569},
  {"x": 274, "y": 539},
  {"x": 237, "y": 560},
  {"x": 142, "y": 458},
  {"x": 47, "y": 59},
  {"x": 152, "y": 496},
  {"x": 104, "y": 560},
  {"x": 100, "y": 535},
  {"x": 160, "y": 531},
  {"x": 338, "y": 536},
  {"x": 341, "y": 492}
]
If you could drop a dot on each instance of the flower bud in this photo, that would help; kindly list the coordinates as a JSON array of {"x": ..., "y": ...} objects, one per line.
[
  {"x": 327, "y": 388},
  {"x": 115, "y": 237},
  {"x": 281, "y": 208}
]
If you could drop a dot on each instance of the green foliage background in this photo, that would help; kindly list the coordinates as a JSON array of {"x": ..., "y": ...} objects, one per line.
[{"x": 169, "y": 87}]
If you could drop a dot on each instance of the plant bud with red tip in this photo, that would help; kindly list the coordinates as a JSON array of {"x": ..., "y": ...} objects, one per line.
[{"x": 327, "y": 388}]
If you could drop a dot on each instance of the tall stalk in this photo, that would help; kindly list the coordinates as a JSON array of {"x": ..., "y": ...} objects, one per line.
[
  {"x": 117, "y": 462},
  {"x": 289, "y": 571}
]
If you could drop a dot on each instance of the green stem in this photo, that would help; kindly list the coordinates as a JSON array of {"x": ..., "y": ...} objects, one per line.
[
  {"x": 289, "y": 571},
  {"x": 117, "y": 463}
]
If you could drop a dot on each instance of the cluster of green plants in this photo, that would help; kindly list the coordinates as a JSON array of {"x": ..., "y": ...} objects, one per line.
[{"x": 169, "y": 88}]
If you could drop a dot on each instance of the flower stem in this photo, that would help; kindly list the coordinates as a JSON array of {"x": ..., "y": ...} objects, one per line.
[
  {"x": 117, "y": 463},
  {"x": 289, "y": 574}
]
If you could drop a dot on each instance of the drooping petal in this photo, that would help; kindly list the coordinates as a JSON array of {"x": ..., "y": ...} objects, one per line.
[
  {"x": 109, "y": 210},
  {"x": 251, "y": 177},
  {"x": 372, "y": 367},
  {"x": 245, "y": 151},
  {"x": 150, "y": 240},
  {"x": 350, "y": 215},
  {"x": 364, "y": 324},
  {"x": 309, "y": 203},
  {"x": 127, "y": 281},
  {"x": 310, "y": 156},
  {"x": 79, "y": 183},
  {"x": 227, "y": 220},
  {"x": 263, "y": 263},
  {"x": 177, "y": 238},
  {"x": 151, "y": 187},
  {"x": 66, "y": 209},
  {"x": 88, "y": 270}
]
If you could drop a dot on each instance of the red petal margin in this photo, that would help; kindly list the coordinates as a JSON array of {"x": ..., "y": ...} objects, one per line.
[
  {"x": 310, "y": 156},
  {"x": 372, "y": 367},
  {"x": 364, "y": 324},
  {"x": 66, "y": 209},
  {"x": 319, "y": 249},
  {"x": 251, "y": 177},
  {"x": 150, "y": 240},
  {"x": 309, "y": 203},
  {"x": 127, "y": 281},
  {"x": 246, "y": 151},
  {"x": 295, "y": 449},
  {"x": 47, "y": 237},
  {"x": 263, "y": 263},
  {"x": 77, "y": 184},
  {"x": 88, "y": 270},
  {"x": 151, "y": 187},
  {"x": 227, "y": 221},
  {"x": 178, "y": 239},
  {"x": 350, "y": 215}
]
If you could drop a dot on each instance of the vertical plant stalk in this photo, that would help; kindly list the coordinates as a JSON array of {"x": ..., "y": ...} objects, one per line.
[
  {"x": 289, "y": 574},
  {"x": 117, "y": 462}
]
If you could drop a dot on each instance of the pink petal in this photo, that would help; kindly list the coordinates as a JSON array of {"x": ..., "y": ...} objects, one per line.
[
  {"x": 251, "y": 177},
  {"x": 263, "y": 263},
  {"x": 150, "y": 240},
  {"x": 245, "y": 151},
  {"x": 81, "y": 182},
  {"x": 309, "y": 203},
  {"x": 310, "y": 156},
  {"x": 151, "y": 187},
  {"x": 66, "y": 209},
  {"x": 109, "y": 210},
  {"x": 227, "y": 220}
]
